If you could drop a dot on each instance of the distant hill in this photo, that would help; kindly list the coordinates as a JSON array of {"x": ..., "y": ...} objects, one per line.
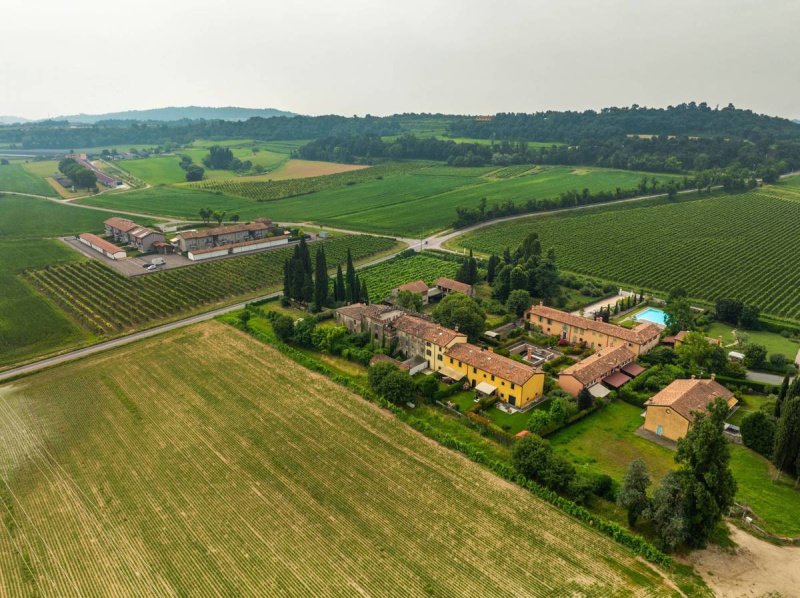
[
  {"x": 176, "y": 113},
  {"x": 12, "y": 120}
]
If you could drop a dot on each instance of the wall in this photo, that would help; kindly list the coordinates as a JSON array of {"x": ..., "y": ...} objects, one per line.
[{"x": 674, "y": 426}]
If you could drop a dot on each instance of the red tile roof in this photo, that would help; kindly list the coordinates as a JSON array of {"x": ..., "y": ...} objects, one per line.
[
  {"x": 633, "y": 369},
  {"x": 224, "y": 230},
  {"x": 428, "y": 331},
  {"x": 417, "y": 286},
  {"x": 453, "y": 285},
  {"x": 101, "y": 243},
  {"x": 641, "y": 334},
  {"x": 492, "y": 363},
  {"x": 616, "y": 380},
  {"x": 599, "y": 365},
  {"x": 121, "y": 224},
  {"x": 688, "y": 396}
]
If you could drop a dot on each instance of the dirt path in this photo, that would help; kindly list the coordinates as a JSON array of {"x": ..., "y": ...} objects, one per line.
[{"x": 757, "y": 569}]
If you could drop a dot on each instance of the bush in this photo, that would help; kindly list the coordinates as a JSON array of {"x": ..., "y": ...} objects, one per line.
[
  {"x": 758, "y": 432},
  {"x": 539, "y": 421},
  {"x": 534, "y": 458},
  {"x": 283, "y": 326}
]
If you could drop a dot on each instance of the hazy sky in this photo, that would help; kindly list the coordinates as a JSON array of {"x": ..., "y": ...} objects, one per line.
[{"x": 356, "y": 57}]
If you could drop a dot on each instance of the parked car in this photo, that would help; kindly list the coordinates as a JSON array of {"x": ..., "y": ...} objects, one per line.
[
  {"x": 152, "y": 267},
  {"x": 158, "y": 261}
]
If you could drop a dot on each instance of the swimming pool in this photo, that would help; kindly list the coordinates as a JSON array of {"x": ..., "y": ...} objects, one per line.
[{"x": 651, "y": 314}]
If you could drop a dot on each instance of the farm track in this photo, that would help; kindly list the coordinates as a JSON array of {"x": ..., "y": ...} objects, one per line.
[{"x": 212, "y": 475}]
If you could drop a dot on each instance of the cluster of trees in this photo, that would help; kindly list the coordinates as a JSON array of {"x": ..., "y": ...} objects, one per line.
[
  {"x": 691, "y": 500},
  {"x": 335, "y": 340},
  {"x": 77, "y": 173},
  {"x": 734, "y": 311},
  {"x": 222, "y": 158},
  {"x": 393, "y": 384},
  {"x": 358, "y": 148},
  {"x": 468, "y": 270},
  {"x": 461, "y": 312},
  {"x": 310, "y": 284},
  {"x": 207, "y": 215},
  {"x": 776, "y": 433},
  {"x": 193, "y": 171},
  {"x": 627, "y": 302},
  {"x": 525, "y": 270}
]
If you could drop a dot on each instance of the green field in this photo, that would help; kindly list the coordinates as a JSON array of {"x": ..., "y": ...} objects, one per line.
[
  {"x": 406, "y": 199},
  {"x": 15, "y": 177},
  {"x": 774, "y": 343},
  {"x": 29, "y": 324},
  {"x": 205, "y": 463},
  {"x": 384, "y": 277},
  {"x": 605, "y": 442},
  {"x": 712, "y": 247},
  {"x": 108, "y": 303}
]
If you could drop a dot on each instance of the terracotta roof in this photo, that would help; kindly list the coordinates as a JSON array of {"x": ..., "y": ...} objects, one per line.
[
  {"x": 682, "y": 335},
  {"x": 641, "y": 334},
  {"x": 372, "y": 311},
  {"x": 122, "y": 224},
  {"x": 381, "y": 358},
  {"x": 522, "y": 434},
  {"x": 599, "y": 365},
  {"x": 492, "y": 363},
  {"x": 101, "y": 243},
  {"x": 453, "y": 285},
  {"x": 616, "y": 380},
  {"x": 417, "y": 286},
  {"x": 223, "y": 230},
  {"x": 633, "y": 369},
  {"x": 687, "y": 396},
  {"x": 428, "y": 331}
]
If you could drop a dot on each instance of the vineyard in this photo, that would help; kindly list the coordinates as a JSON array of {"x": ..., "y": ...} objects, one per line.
[
  {"x": 105, "y": 302},
  {"x": 734, "y": 245},
  {"x": 384, "y": 277},
  {"x": 203, "y": 463},
  {"x": 269, "y": 190}
]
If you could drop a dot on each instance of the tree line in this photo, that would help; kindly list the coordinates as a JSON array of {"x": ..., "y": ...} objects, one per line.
[
  {"x": 77, "y": 173},
  {"x": 310, "y": 283}
]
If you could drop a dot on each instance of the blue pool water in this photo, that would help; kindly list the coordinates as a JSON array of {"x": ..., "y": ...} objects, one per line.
[{"x": 651, "y": 314}]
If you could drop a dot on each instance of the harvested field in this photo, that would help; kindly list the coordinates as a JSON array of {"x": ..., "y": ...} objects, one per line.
[
  {"x": 300, "y": 169},
  {"x": 191, "y": 464}
]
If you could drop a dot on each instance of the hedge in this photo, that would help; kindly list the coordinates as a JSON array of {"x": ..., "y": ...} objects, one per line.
[
  {"x": 763, "y": 387},
  {"x": 635, "y": 543}
]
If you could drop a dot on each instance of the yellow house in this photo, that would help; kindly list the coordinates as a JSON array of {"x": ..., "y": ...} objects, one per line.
[
  {"x": 515, "y": 383},
  {"x": 595, "y": 333},
  {"x": 418, "y": 337},
  {"x": 670, "y": 412}
]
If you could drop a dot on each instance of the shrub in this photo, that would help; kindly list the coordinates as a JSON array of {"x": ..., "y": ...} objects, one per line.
[
  {"x": 603, "y": 487},
  {"x": 534, "y": 458},
  {"x": 539, "y": 421},
  {"x": 758, "y": 432}
]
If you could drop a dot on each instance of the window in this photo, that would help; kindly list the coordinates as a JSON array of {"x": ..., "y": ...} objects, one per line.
[
  {"x": 502, "y": 383},
  {"x": 451, "y": 360},
  {"x": 428, "y": 352},
  {"x": 484, "y": 375},
  {"x": 459, "y": 364},
  {"x": 474, "y": 370},
  {"x": 492, "y": 377},
  {"x": 512, "y": 386},
  {"x": 540, "y": 318},
  {"x": 427, "y": 344},
  {"x": 439, "y": 357}
]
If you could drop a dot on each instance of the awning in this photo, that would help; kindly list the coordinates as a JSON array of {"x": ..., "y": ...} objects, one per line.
[
  {"x": 598, "y": 391},
  {"x": 633, "y": 369},
  {"x": 452, "y": 373},
  {"x": 616, "y": 380},
  {"x": 485, "y": 388}
]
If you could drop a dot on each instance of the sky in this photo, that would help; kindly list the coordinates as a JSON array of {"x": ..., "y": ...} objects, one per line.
[{"x": 376, "y": 57}]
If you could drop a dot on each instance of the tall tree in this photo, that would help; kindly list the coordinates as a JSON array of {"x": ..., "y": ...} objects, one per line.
[
  {"x": 321, "y": 283},
  {"x": 351, "y": 292},
  {"x": 339, "y": 293},
  {"x": 782, "y": 393},
  {"x": 461, "y": 311},
  {"x": 364, "y": 294},
  {"x": 633, "y": 493},
  {"x": 704, "y": 455},
  {"x": 787, "y": 437}
]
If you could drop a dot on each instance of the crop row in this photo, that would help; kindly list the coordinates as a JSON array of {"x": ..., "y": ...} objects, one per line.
[
  {"x": 269, "y": 190},
  {"x": 384, "y": 277},
  {"x": 106, "y": 302},
  {"x": 741, "y": 245}
]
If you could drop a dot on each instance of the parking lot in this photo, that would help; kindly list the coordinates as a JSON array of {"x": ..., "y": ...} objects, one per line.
[{"x": 135, "y": 266}]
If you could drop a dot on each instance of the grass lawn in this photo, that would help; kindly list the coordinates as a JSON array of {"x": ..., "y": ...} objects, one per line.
[
  {"x": 774, "y": 342},
  {"x": 16, "y": 177},
  {"x": 605, "y": 442},
  {"x": 747, "y": 404},
  {"x": 777, "y": 503},
  {"x": 464, "y": 399},
  {"x": 516, "y": 422}
]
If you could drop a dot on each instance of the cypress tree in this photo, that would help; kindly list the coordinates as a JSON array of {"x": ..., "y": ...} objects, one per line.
[
  {"x": 321, "y": 279},
  {"x": 491, "y": 268},
  {"x": 338, "y": 286},
  {"x": 787, "y": 437},
  {"x": 287, "y": 279},
  {"x": 351, "y": 291},
  {"x": 782, "y": 395},
  {"x": 364, "y": 293}
]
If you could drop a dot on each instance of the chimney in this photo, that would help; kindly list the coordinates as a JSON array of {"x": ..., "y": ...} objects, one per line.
[
  {"x": 693, "y": 377},
  {"x": 491, "y": 349},
  {"x": 456, "y": 328},
  {"x": 530, "y": 353},
  {"x": 713, "y": 376}
]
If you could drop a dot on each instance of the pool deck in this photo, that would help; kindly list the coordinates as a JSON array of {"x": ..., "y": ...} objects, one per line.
[{"x": 598, "y": 305}]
